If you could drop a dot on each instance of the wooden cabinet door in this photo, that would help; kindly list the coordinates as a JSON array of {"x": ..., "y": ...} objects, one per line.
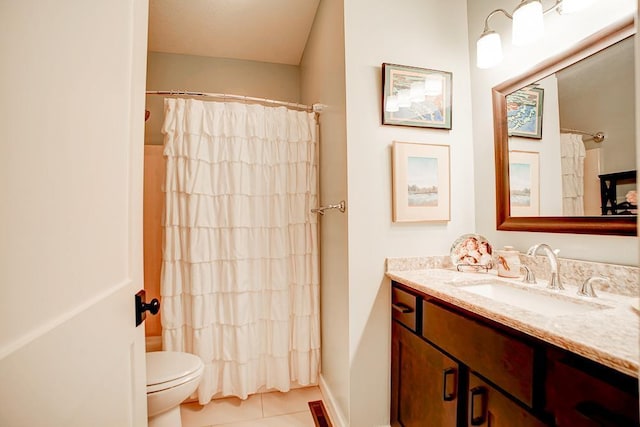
[
  {"x": 579, "y": 399},
  {"x": 487, "y": 407},
  {"x": 424, "y": 382}
]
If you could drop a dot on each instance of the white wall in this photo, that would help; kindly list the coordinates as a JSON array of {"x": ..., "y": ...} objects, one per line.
[
  {"x": 561, "y": 32},
  {"x": 323, "y": 81},
  {"x": 422, "y": 33},
  {"x": 168, "y": 71}
]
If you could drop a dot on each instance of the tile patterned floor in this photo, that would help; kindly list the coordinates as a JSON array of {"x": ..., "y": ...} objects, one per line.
[{"x": 272, "y": 409}]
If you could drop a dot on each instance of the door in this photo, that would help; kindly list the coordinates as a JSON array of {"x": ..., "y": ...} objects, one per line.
[
  {"x": 424, "y": 382},
  {"x": 71, "y": 149}
]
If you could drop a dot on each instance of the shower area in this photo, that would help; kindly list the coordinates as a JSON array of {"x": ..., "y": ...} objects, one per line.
[{"x": 230, "y": 240}]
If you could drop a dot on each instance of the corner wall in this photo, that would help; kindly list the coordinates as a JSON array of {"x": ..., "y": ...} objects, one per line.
[
  {"x": 323, "y": 81},
  {"x": 561, "y": 32},
  {"x": 422, "y": 33}
]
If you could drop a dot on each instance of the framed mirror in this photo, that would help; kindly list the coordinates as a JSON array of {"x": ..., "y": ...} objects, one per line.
[{"x": 535, "y": 144}]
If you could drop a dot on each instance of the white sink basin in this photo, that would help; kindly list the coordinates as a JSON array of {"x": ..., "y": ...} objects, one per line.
[{"x": 532, "y": 299}]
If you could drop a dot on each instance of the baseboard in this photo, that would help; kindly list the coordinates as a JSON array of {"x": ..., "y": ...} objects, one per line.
[{"x": 337, "y": 417}]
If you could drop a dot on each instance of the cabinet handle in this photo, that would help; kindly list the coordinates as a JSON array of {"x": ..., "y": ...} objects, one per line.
[
  {"x": 448, "y": 397},
  {"x": 402, "y": 308},
  {"x": 478, "y": 392}
]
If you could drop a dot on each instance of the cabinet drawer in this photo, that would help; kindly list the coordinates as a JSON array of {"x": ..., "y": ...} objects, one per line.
[
  {"x": 403, "y": 307},
  {"x": 502, "y": 359}
]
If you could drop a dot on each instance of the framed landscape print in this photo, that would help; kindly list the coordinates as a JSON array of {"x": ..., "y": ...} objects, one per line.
[
  {"x": 420, "y": 182},
  {"x": 524, "y": 112},
  {"x": 524, "y": 183},
  {"x": 413, "y": 96}
]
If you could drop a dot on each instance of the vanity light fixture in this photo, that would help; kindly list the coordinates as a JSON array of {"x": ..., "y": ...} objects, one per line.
[
  {"x": 528, "y": 27},
  {"x": 528, "y": 23}
]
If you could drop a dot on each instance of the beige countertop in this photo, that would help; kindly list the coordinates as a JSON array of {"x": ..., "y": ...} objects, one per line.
[{"x": 607, "y": 334}]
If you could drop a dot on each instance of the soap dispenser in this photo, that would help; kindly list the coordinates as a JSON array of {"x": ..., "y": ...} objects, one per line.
[{"x": 508, "y": 261}]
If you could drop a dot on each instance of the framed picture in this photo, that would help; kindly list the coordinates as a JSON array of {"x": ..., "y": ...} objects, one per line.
[
  {"x": 524, "y": 112},
  {"x": 417, "y": 97},
  {"x": 524, "y": 183},
  {"x": 420, "y": 182}
]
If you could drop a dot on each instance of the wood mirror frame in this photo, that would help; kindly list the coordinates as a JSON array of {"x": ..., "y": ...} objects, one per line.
[{"x": 610, "y": 225}]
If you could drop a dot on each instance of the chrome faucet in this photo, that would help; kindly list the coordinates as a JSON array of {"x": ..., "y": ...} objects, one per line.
[
  {"x": 529, "y": 277},
  {"x": 554, "y": 283},
  {"x": 586, "y": 290}
]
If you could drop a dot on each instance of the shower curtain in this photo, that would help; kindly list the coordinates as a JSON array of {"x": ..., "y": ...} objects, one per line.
[
  {"x": 572, "y": 153},
  {"x": 240, "y": 281}
]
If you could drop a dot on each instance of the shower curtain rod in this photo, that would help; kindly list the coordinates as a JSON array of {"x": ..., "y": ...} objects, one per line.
[
  {"x": 597, "y": 137},
  {"x": 316, "y": 108}
]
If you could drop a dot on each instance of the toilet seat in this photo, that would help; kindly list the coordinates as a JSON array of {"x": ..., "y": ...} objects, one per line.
[{"x": 167, "y": 369}]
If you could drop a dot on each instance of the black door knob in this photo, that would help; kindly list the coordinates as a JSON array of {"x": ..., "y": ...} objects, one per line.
[
  {"x": 153, "y": 307},
  {"x": 142, "y": 307}
]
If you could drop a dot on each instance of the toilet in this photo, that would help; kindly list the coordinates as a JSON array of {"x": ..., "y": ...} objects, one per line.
[{"x": 171, "y": 377}]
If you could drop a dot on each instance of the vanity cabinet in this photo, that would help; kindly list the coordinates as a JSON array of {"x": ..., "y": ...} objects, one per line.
[
  {"x": 424, "y": 380},
  {"x": 453, "y": 368}
]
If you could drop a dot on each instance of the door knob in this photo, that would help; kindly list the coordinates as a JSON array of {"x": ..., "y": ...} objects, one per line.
[{"x": 142, "y": 307}]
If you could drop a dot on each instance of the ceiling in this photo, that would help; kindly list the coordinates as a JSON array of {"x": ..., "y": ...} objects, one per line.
[{"x": 258, "y": 30}]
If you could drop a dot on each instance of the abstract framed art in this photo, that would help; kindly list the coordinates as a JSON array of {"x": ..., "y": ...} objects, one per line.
[
  {"x": 525, "y": 112},
  {"x": 420, "y": 182},
  {"x": 418, "y": 97}
]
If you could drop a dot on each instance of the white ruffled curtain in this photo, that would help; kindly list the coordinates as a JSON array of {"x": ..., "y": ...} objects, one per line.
[
  {"x": 240, "y": 282},
  {"x": 572, "y": 153}
]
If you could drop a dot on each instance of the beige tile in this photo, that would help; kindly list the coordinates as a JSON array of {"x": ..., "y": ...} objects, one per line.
[
  {"x": 276, "y": 403},
  {"x": 221, "y": 411},
  {"x": 298, "y": 419}
]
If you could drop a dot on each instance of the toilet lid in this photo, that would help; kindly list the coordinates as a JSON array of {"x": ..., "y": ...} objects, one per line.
[{"x": 169, "y": 368}]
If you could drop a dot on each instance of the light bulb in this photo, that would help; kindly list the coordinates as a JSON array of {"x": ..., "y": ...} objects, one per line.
[
  {"x": 488, "y": 50},
  {"x": 528, "y": 23}
]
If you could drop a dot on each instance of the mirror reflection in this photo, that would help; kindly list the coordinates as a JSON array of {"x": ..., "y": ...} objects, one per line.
[{"x": 572, "y": 139}]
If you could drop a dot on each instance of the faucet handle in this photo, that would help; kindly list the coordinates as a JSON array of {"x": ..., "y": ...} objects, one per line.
[
  {"x": 586, "y": 290},
  {"x": 529, "y": 277}
]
